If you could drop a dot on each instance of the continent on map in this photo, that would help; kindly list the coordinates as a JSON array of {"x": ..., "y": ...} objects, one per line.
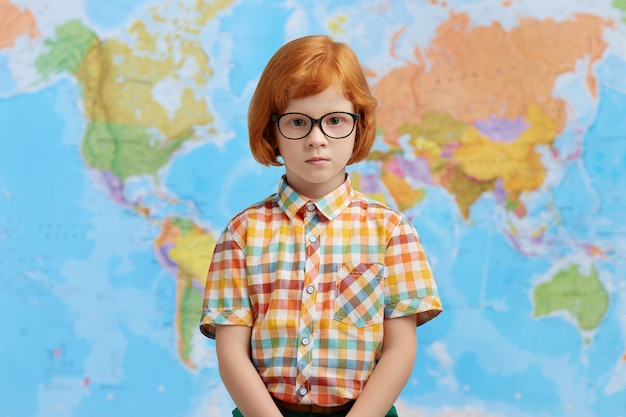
[
  {"x": 15, "y": 22},
  {"x": 468, "y": 119},
  {"x": 185, "y": 250},
  {"x": 582, "y": 297},
  {"x": 129, "y": 132}
]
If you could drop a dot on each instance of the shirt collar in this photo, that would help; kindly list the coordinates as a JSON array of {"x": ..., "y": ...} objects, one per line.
[{"x": 329, "y": 205}]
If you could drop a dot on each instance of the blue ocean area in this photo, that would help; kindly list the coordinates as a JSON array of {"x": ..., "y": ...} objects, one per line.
[
  {"x": 253, "y": 44},
  {"x": 48, "y": 351},
  {"x": 81, "y": 235},
  {"x": 51, "y": 176},
  {"x": 222, "y": 180},
  {"x": 539, "y": 398},
  {"x": 604, "y": 155},
  {"x": 112, "y": 14},
  {"x": 153, "y": 383},
  {"x": 610, "y": 71},
  {"x": 6, "y": 81},
  {"x": 46, "y": 224},
  {"x": 598, "y": 181},
  {"x": 575, "y": 209}
]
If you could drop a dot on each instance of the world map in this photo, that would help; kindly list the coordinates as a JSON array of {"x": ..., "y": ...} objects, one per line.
[{"x": 124, "y": 153}]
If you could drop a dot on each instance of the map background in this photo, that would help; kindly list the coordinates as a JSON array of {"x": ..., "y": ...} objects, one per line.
[{"x": 90, "y": 307}]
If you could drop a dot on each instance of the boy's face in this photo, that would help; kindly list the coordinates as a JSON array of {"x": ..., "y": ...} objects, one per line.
[{"x": 316, "y": 164}]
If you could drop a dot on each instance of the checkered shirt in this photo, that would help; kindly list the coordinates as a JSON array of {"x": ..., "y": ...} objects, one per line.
[{"x": 315, "y": 279}]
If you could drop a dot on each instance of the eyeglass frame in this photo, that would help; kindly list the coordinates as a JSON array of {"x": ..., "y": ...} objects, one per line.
[{"x": 355, "y": 117}]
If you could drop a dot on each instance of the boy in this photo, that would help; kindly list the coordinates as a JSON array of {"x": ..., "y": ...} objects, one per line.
[{"x": 313, "y": 295}]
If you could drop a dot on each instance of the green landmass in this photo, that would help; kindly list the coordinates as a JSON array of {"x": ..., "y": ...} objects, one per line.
[
  {"x": 67, "y": 50},
  {"x": 583, "y": 296},
  {"x": 436, "y": 127},
  {"x": 191, "y": 298},
  {"x": 620, "y": 4},
  {"x": 185, "y": 225},
  {"x": 125, "y": 150}
]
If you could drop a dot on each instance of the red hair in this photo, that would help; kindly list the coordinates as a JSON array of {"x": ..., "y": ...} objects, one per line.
[{"x": 301, "y": 68}]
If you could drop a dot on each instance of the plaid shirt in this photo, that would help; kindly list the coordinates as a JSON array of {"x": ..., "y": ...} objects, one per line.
[{"x": 315, "y": 280}]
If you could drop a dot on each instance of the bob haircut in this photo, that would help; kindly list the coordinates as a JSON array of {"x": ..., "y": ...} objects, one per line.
[{"x": 303, "y": 67}]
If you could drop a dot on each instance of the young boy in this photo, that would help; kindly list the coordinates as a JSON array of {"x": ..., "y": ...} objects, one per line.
[{"x": 313, "y": 295}]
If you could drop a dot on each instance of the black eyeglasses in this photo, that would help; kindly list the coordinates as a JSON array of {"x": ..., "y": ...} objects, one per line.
[{"x": 336, "y": 125}]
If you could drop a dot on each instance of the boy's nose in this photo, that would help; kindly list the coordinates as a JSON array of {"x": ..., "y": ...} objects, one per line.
[{"x": 316, "y": 137}]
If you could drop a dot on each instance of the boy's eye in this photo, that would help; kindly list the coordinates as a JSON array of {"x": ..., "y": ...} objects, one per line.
[
  {"x": 298, "y": 122},
  {"x": 334, "y": 121}
]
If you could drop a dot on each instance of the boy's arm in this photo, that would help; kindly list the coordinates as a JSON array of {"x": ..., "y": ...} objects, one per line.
[
  {"x": 239, "y": 374},
  {"x": 392, "y": 371}
]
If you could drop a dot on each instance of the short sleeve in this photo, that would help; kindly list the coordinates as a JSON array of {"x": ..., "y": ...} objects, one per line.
[
  {"x": 409, "y": 285},
  {"x": 226, "y": 297}
]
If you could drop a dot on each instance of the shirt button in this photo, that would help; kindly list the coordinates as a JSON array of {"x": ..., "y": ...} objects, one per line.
[
  {"x": 310, "y": 207},
  {"x": 312, "y": 239},
  {"x": 306, "y": 341},
  {"x": 310, "y": 289},
  {"x": 302, "y": 391}
]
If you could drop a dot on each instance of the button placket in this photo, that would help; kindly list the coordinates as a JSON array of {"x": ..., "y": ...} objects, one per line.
[{"x": 309, "y": 298}]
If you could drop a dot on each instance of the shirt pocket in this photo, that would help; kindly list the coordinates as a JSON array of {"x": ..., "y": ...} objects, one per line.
[{"x": 359, "y": 295}]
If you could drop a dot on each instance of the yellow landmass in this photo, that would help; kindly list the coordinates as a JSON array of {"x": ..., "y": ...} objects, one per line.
[
  {"x": 118, "y": 87},
  {"x": 196, "y": 58},
  {"x": 424, "y": 148},
  {"x": 119, "y": 79},
  {"x": 194, "y": 16},
  {"x": 464, "y": 189},
  {"x": 336, "y": 25},
  {"x": 191, "y": 247},
  {"x": 472, "y": 73},
  {"x": 355, "y": 179},
  {"x": 517, "y": 163},
  {"x": 144, "y": 41},
  {"x": 401, "y": 191},
  {"x": 434, "y": 136},
  {"x": 193, "y": 56},
  {"x": 435, "y": 140},
  {"x": 192, "y": 252},
  {"x": 15, "y": 22}
]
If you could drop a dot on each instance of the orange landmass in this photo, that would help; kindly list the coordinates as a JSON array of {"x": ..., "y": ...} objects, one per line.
[
  {"x": 401, "y": 191},
  {"x": 15, "y": 22},
  {"x": 169, "y": 233},
  {"x": 596, "y": 251},
  {"x": 394, "y": 40},
  {"x": 472, "y": 73}
]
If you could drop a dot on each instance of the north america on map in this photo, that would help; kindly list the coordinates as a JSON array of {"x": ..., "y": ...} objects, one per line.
[{"x": 124, "y": 153}]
